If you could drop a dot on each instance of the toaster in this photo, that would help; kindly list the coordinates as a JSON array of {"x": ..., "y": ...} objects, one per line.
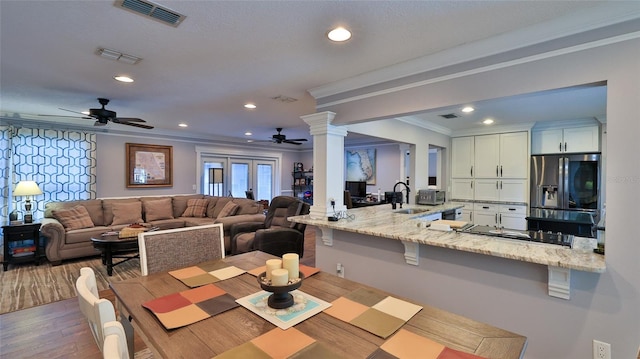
[{"x": 430, "y": 197}]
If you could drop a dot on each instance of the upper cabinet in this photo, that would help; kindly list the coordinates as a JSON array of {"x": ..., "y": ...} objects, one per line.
[
  {"x": 502, "y": 155},
  {"x": 566, "y": 140},
  {"x": 462, "y": 149}
]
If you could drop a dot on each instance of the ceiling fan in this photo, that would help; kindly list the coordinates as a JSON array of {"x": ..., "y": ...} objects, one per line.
[
  {"x": 280, "y": 138},
  {"x": 103, "y": 116}
]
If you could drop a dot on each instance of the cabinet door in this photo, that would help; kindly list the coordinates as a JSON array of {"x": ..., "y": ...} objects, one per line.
[
  {"x": 487, "y": 190},
  {"x": 513, "y": 190},
  {"x": 485, "y": 218},
  {"x": 487, "y": 156},
  {"x": 581, "y": 139},
  {"x": 546, "y": 141},
  {"x": 513, "y": 221},
  {"x": 461, "y": 188},
  {"x": 514, "y": 155},
  {"x": 462, "y": 157}
]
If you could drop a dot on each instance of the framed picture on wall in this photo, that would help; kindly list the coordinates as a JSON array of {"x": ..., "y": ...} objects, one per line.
[
  {"x": 361, "y": 165},
  {"x": 149, "y": 165}
]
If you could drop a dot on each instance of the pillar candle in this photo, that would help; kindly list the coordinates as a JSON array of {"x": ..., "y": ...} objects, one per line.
[
  {"x": 271, "y": 265},
  {"x": 279, "y": 277},
  {"x": 290, "y": 262}
]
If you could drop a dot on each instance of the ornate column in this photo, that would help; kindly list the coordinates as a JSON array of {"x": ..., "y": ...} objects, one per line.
[{"x": 328, "y": 163}]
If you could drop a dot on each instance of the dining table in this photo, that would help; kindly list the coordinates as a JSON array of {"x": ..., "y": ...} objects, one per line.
[{"x": 222, "y": 332}]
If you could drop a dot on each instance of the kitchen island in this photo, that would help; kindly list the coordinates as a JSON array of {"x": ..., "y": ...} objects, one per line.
[{"x": 408, "y": 227}]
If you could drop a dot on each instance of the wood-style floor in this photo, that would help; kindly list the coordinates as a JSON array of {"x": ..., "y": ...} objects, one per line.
[{"x": 58, "y": 329}]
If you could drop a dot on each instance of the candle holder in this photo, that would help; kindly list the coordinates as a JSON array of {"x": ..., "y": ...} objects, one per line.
[{"x": 281, "y": 298}]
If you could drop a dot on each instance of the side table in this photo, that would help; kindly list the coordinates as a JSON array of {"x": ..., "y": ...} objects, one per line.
[{"x": 21, "y": 244}]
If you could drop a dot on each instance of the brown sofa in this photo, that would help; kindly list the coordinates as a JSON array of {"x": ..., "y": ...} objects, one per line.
[{"x": 111, "y": 214}]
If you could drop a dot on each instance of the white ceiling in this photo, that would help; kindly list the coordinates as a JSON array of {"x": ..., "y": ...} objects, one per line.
[{"x": 227, "y": 53}]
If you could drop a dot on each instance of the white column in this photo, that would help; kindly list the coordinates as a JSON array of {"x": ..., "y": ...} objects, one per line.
[{"x": 328, "y": 163}]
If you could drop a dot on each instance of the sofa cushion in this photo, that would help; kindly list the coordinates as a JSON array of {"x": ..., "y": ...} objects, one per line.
[
  {"x": 158, "y": 209},
  {"x": 84, "y": 235},
  {"x": 127, "y": 212},
  {"x": 76, "y": 217},
  {"x": 170, "y": 223},
  {"x": 180, "y": 203},
  {"x": 247, "y": 206},
  {"x": 93, "y": 206},
  {"x": 213, "y": 202},
  {"x": 107, "y": 206},
  {"x": 196, "y": 208},
  {"x": 229, "y": 209}
]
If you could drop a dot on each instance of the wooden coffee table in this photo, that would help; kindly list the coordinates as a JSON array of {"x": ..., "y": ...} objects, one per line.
[{"x": 111, "y": 245}]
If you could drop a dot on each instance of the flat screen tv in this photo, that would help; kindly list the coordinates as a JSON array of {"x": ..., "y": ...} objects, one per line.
[{"x": 357, "y": 189}]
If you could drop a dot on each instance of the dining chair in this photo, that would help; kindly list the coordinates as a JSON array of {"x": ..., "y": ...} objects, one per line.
[
  {"x": 115, "y": 341},
  {"x": 97, "y": 311},
  {"x": 170, "y": 249}
]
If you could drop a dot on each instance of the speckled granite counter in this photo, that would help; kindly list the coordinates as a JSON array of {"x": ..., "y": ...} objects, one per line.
[{"x": 382, "y": 221}]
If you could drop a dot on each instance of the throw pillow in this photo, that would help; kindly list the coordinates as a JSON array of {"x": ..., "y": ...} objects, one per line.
[
  {"x": 229, "y": 209},
  {"x": 196, "y": 208},
  {"x": 127, "y": 213},
  {"x": 76, "y": 217},
  {"x": 158, "y": 209}
]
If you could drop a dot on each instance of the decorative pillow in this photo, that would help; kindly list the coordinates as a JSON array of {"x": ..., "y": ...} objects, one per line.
[
  {"x": 229, "y": 209},
  {"x": 158, "y": 209},
  {"x": 76, "y": 217},
  {"x": 127, "y": 213},
  {"x": 196, "y": 208}
]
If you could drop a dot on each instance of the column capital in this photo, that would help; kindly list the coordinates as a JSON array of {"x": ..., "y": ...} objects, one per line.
[{"x": 320, "y": 124}]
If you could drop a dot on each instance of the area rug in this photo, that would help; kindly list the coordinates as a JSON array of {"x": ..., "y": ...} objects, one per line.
[{"x": 27, "y": 285}]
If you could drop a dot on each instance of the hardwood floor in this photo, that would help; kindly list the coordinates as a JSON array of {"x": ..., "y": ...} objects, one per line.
[{"x": 58, "y": 329}]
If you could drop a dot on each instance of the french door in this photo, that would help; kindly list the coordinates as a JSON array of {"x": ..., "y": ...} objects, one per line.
[{"x": 233, "y": 176}]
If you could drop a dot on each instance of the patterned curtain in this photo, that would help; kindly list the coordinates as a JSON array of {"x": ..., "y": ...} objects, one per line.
[{"x": 61, "y": 162}]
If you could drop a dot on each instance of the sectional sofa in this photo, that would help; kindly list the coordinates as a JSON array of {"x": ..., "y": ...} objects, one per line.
[{"x": 70, "y": 225}]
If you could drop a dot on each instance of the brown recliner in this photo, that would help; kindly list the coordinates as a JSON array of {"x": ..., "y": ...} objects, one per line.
[{"x": 276, "y": 235}]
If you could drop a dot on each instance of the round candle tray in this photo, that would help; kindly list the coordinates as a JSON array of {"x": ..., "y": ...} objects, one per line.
[{"x": 281, "y": 298}]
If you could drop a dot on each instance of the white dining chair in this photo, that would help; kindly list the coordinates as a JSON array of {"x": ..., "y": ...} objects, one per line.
[
  {"x": 170, "y": 249},
  {"x": 97, "y": 311},
  {"x": 115, "y": 341}
]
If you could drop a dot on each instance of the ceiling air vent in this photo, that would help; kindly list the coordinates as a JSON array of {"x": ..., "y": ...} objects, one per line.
[
  {"x": 450, "y": 115},
  {"x": 152, "y": 10}
]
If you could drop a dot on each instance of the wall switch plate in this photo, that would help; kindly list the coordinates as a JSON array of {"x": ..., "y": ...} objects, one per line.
[
  {"x": 601, "y": 350},
  {"x": 340, "y": 270}
]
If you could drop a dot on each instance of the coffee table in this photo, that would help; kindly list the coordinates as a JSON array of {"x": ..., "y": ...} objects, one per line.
[{"x": 110, "y": 245}]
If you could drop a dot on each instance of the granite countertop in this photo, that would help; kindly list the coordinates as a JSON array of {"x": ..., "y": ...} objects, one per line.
[{"x": 382, "y": 221}]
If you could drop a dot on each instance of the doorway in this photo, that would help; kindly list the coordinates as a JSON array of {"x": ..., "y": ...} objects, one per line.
[{"x": 234, "y": 176}]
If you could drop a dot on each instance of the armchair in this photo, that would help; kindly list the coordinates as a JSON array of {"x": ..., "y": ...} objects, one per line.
[{"x": 276, "y": 235}]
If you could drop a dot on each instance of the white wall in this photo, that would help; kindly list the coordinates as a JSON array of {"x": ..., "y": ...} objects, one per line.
[{"x": 510, "y": 294}]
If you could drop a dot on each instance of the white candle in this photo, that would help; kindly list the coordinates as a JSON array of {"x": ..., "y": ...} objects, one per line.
[
  {"x": 279, "y": 277},
  {"x": 290, "y": 262},
  {"x": 271, "y": 265}
]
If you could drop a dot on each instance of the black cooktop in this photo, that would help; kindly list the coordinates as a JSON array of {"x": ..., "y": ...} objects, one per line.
[{"x": 532, "y": 236}]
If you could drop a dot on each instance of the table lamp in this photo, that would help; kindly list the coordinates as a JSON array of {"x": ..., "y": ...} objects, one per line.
[{"x": 27, "y": 188}]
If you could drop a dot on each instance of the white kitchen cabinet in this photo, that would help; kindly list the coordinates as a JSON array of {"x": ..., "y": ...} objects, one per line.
[
  {"x": 465, "y": 213},
  {"x": 505, "y": 190},
  {"x": 462, "y": 157},
  {"x": 512, "y": 217},
  {"x": 462, "y": 188},
  {"x": 500, "y": 215},
  {"x": 566, "y": 140},
  {"x": 502, "y": 155}
]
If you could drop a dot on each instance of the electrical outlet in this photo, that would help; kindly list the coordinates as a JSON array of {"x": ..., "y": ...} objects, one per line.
[
  {"x": 340, "y": 270},
  {"x": 601, "y": 350}
]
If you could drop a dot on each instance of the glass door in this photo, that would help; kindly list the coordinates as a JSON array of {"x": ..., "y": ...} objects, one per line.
[{"x": 233, "y": 176}]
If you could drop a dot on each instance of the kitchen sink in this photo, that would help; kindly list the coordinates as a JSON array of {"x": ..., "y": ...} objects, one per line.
[{"x": 411, "y": 211}]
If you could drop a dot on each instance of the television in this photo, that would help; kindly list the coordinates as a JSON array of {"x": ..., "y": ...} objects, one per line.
[{"x": 357, "y": 189}]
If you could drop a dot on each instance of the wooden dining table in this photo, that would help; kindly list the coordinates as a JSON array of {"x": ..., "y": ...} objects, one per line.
[{"x": 215, "y": 335}]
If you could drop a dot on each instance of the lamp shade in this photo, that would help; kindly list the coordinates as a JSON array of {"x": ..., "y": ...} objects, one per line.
[{"x": 27, "y": 188}]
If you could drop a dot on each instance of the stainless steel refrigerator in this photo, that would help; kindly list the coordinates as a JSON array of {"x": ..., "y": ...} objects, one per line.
[{"x": 566, "y": 182}]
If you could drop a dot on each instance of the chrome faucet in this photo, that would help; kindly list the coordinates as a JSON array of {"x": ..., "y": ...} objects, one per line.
[{"x": 393, "y": 201}]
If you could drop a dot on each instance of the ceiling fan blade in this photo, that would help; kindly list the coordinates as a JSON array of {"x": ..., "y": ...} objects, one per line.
[
  {"x": 135, "y": 124},
  {"x": 98, "y": 123},
  {"x": 128, "y": 119},
  {"x": 292, "y": 142},
  {"x": 296, "y": 139},
  {"x": 84, "y": 115}
]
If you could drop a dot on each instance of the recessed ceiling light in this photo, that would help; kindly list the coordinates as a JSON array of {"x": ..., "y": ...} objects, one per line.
[
  {"x": 248, "y": 133},
  {"x": 250, "y": 106},
  {"x": 123, "y": 78},
  {"x": 339, "y": 34},
  {"x": 487, "y": 121},
  {"x": 249, "y": 140},
  {"x": 468, "y": 109},
  {"x": 183, "y": 125}
]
